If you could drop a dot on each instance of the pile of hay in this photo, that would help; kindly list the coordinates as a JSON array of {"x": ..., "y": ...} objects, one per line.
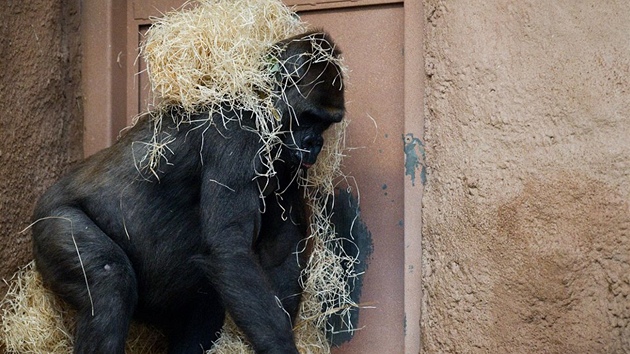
[
  {"x": 208, "y": 54},
  {"x": 35, "y": 321},
  {"x": 213, "y": 52}
]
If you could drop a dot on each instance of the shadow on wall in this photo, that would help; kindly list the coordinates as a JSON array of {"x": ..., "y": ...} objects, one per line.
[{"x": 358, "y": 244}]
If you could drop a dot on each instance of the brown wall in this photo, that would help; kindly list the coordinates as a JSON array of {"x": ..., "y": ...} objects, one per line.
[
  {"x": 40, "y": 108},
  {"x": 527, "y": 216}
]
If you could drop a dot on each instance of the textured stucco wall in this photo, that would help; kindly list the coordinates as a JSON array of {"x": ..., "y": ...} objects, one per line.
[
  {"x": 526, "y": 210},
  {"x": 40, "y": 114}
]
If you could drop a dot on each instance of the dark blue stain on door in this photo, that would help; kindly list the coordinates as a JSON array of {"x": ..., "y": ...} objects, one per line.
[{"x": 414, "y": 158}]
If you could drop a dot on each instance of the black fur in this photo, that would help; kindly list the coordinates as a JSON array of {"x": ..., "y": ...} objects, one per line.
[{"x": 179, "y": 248}]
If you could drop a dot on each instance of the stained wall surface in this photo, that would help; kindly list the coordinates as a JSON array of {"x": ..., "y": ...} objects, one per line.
[
  {"x": 40, "y": 113},
  {"x": 526, "y": 210}
]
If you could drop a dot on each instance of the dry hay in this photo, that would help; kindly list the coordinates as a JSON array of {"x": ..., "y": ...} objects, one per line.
[
  {"x": 35, "y": 321},
  {"x": 214, "y": 53}
]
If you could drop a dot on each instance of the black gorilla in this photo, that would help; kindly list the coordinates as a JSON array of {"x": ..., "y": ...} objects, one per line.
[{"x": 179, "y": 248}]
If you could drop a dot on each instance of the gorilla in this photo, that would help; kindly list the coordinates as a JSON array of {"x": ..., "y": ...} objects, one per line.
[{"x": 203, "y": 234}]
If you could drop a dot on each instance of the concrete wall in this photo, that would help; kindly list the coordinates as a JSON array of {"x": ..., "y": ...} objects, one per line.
[
  {"x": 527, "y": 220},
  {"x": 40, "y": 113}
]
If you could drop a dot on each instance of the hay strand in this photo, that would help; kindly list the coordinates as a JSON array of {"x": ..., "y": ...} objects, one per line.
[{"x": 33, "y": 321}]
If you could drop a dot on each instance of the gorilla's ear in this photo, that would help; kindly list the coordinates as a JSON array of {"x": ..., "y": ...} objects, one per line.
[{"x": 299, "y": 52}]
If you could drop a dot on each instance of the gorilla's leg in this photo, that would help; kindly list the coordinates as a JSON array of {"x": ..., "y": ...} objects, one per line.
[
  {"x": 285, "y": 280},
  {"x": 196, "y": 326},
  {"x": 83, "y": 265}
]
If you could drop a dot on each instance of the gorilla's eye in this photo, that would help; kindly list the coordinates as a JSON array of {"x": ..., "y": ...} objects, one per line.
[{"x": 312, "y": 141}]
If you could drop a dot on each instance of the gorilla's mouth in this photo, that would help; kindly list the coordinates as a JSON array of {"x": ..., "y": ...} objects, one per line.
[{"x": 306, "y": 165}]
